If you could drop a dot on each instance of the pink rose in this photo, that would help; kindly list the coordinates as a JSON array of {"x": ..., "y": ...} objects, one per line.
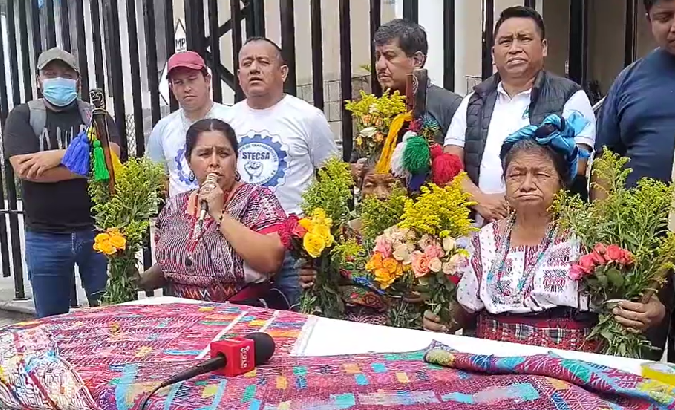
[
  {"x": 383, "y": 246},
  {"x": 598, "y": 259},
  {"x": 420, "y": 263},
  {"x": 627, "y": 258},
  {"x": 600, "y": 248},
  {"x": 576, "y": 272},
  {"x": 587, "y": 263},
  {"x": 614, "y": 253},
  {"x": 434, "y": 251}
]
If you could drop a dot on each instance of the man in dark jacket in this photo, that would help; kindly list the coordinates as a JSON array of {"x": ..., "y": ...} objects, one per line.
[
  {"x": 400, "y": 47},
  {"x": 520, "y": 93}
]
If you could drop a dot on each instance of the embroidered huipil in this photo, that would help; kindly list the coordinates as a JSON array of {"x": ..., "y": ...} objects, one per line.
[
  {"x": 527, "y": 279},
  {"x": 208, "y": 268}
]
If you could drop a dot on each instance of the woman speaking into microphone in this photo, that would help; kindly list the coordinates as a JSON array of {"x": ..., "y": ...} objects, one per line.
[{"x": 230, "y": 253}]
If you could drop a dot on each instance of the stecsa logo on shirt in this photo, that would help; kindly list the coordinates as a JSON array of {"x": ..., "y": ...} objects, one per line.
[{"x": 262, "y": 159}]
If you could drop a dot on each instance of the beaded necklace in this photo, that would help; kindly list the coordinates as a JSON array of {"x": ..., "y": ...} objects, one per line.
[{"x": 499, "y": 262}]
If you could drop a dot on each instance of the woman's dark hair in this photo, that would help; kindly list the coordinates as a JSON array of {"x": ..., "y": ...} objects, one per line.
[
  {"x": 209, "y": 124},
  {"x": 559, "y": 163}
]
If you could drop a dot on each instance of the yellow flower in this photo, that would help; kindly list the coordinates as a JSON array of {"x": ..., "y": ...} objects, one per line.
[
  {"x": 102, "y": 237},
  {"x": 318, "y": 215},
  {"x": 118, "y": 241},
  {"x": 105, "y": 248},
  {"x": 383, "y": 278},
  {"x": 359, "y": 141},
  {"x": 314, "y": 244},
  {"x": 306, "y": 223},
  {"x": 439, "y": 211},
  {"x": 321, "y": 230}
]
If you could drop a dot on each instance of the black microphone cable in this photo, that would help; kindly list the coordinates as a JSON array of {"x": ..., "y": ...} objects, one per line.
[{"x": 202, "y": 368}]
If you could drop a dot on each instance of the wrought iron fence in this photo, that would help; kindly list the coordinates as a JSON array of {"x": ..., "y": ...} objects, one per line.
[{"x": 91, "y": 29}]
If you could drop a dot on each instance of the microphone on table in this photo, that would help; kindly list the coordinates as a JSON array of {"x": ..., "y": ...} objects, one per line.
[
  {"x": 229, "y": 357},
  {"x": 204, "y": 206}
]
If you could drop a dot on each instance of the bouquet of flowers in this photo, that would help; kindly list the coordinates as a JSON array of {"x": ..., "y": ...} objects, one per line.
[
  {"x": 124, "y": 196},
  {"x": 124, "y": 219},
  {"x": 374, "y": 117},
  {"x": 313, "y": 237},
  {"x": 626, "y": 247},
  {"x": 418, "y": 259}
]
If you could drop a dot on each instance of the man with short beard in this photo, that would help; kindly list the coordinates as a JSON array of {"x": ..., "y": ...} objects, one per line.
[
  {"x": 521, "y": 93},
  {"x": 282, "y": 140}
]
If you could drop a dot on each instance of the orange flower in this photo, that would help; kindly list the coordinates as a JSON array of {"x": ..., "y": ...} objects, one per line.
[
  {"x": 391, "y": 265},
  {"x": 375, "y": 262}
]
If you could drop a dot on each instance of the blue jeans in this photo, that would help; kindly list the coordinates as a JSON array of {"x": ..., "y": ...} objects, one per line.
[
  {"x": 51, "y": 260},
  {"x": 288, "y": 281}
]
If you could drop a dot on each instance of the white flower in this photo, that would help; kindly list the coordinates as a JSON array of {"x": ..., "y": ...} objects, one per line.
[{"x": 448, "y": 244}]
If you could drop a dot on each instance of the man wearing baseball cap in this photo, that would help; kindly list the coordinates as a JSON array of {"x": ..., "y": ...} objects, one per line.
[
  {"x": 56, "y": 204},
  {"x": 190, "y": 83}
]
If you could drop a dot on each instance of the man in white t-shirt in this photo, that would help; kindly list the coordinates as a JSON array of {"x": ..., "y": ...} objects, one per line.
[
  {"x": 521, "y": 93},
  {"x": 190, "y": 83},
  {"x": 282, "y": 140}
]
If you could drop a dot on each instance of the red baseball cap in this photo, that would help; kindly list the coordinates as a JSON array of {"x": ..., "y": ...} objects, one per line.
[{"x": 185, "y": 59}]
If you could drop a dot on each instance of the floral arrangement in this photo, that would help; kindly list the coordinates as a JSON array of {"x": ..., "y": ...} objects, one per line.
[
  {"x": 123, "y": 218},
  {"x": 418, "y": 258},
  {"x": 374, "y": 117},
  {"x": 627, "y": 250},
  {"x": 313, "y": 237}
]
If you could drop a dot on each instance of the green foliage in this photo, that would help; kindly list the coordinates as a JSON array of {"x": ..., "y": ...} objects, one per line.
[
  {"x": 136, "y": 199},
  {"x": 635, "y": 219},
  {"x": 378, "y": 215},
  {"x": 332, "y": 191}
]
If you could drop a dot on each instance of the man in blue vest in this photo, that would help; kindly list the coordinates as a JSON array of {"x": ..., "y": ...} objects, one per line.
[
  {"x": 637, "y": 120},
  {"x": 520, "y": 93}
]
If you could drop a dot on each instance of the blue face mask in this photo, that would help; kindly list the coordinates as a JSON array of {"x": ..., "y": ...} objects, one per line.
[{"x": 59, "y": 91}]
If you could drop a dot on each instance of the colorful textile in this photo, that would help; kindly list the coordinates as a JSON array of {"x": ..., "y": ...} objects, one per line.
[
  {"x": 550, "y": 382},
  {"x": 107, "y": 357},
  {"x": 553, "y": 333},
  {"x": 111, "y": 358},
  {"x": 500, "y": 278},
  {"x": 206, "y": 267}
]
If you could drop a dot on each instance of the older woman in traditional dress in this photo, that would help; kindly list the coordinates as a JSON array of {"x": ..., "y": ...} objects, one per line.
[
  {"x": 516, "y": 282},
  {"x": 232, "y": 254}
]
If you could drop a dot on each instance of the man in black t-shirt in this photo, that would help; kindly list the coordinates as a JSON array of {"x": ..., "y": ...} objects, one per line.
[{"x": 56, "y": 204}]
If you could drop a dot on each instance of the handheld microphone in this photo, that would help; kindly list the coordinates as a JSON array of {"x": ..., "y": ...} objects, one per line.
[
  {"x": 229, "y": 357},
  {"x": 204, "y": 206}
]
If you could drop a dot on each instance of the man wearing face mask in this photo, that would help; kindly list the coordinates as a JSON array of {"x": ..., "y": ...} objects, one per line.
[
  {"x": 56, "y": 204},
  {"x": 282, "y": 139}
]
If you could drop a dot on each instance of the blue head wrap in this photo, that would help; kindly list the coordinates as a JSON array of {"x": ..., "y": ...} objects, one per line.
[{"x": 558, "y": 134}]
